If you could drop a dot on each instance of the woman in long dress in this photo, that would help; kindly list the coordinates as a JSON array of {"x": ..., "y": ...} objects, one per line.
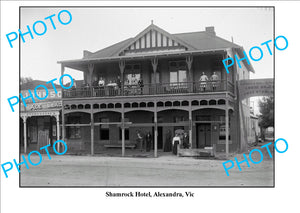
[{"x": 175, "y": 142}]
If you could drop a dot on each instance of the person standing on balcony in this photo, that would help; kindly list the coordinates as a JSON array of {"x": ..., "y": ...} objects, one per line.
[
  {"x": 214, "y": 78},
  {"x": 203, "y": 81},
  {"x": 101, "y": 83},
  {"x": 74, "y": 88},
  {"x": 119, "y": 84},
  {"x": 141, "y": 84},
  {"x": 95, "y": 86},
  {"x": 74, "y": 84}
]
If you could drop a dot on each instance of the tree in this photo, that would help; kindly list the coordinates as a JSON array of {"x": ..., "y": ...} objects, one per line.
[
  {"x": 266, "y": 108},
  {"x": 25, "y": 80}
]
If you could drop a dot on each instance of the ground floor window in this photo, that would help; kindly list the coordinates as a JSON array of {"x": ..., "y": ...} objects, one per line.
[
  {"x": 104, "y": 129},
  {"x": 104, "y": 134},
  {"x": 222, "y": 133},
  {"x": 126, "y": 134},
  {"x": 73, "y": 132}
]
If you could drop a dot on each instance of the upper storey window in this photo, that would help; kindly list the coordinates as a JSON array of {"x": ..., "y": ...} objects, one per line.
[
  {"x": 178, "y": 71},
  {"x": 132, "y": 74}
]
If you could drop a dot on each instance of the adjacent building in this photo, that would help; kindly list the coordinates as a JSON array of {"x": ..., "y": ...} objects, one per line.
[{"x": 40, "y": 120}]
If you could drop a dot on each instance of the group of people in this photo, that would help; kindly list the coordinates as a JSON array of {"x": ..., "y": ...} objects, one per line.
[
  {"x": 101, "y": 83},
  {"x": 181, "y": 140},
  {"x": 203, "y": 81},
  {"x": 145, "y": 141}
]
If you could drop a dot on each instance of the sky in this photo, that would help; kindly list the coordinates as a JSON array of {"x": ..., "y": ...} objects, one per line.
[{"x": 93, "y": 29}]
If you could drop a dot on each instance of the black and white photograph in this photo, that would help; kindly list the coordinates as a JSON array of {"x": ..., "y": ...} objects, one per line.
[
  {"x": 149, "y": 106},
  {"x": 148, "y": 101}
]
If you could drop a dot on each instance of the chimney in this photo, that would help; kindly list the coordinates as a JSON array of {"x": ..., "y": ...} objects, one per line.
[
  {"x": 210, "y": 30},
  {"x": 86, "y": 53}
]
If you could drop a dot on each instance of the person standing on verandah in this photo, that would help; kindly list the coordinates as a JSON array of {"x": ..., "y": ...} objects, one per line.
[
  {"x": 140, "y": 140},
  {"x": 148, "y": 142},
  {"x": 176, "y": 141},
  {"x": 203, "y": 81},
  {"x": 185, "y": 140},
  {"x": 214, "y": 78}
]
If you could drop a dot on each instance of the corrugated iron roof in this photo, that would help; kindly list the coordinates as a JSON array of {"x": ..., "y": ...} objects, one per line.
[
  {"x": 32, "y": 84},
  {"x": 203, "y": 41},
  {"x": 197, "y": 40}
]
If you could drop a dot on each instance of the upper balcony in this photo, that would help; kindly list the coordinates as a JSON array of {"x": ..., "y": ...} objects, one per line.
[{"x": 113, "y": 90}]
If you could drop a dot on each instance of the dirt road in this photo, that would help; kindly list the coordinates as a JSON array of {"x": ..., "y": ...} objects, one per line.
[{"x": 167, "y": 170}]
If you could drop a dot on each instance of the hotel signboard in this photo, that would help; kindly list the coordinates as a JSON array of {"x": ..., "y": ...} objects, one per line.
[{"x": 256, "y": 87}]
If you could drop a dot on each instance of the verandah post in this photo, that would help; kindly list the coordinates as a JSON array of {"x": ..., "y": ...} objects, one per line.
[
  {"x": 189, "y": 62},
  {"x": 155, "y": 130},
  {"x": 122, "y": 67},
  {"x": 154, "y": 63},
  {"x": 123, "y": 131},
  {"x": 92, "y": 131},
  {"x": 227, "y": 127},
  {"x": 25, "y": 133}
]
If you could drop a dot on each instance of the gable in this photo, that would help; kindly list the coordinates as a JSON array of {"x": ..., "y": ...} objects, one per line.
[{"x": 154, "y": 39}]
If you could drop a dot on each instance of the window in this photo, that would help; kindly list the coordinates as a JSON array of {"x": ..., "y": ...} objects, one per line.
[
  {"x": 73, "y": 132},
  {"x": 104, "y": 129},
  {"x": 222, "y": 134},
  {"x": 132, "y": 74},
  {"x": 178, "y": 71},
  {"x": 178, "y": 119}
]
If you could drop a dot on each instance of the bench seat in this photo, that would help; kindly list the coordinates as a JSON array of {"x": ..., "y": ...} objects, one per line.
[{"x": 131, "y": 146}]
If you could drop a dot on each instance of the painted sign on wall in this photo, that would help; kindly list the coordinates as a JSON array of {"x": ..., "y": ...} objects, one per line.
[{"x": 256, "y": 87}]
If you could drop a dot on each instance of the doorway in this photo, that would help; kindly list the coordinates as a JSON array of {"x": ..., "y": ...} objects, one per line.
[
  {"x": 159, "y": 137},
  {"x": 203, "y": 135}
]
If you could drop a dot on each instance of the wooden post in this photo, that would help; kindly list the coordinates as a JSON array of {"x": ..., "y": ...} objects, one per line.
[
  {"x": 123, "y": 131},
  {"x": 57, "y": 131},
  {"x": 92, "y": 132},
  {"x": 226, "y": 77},
  {"x": 155, "y": 130},
  {"x": 154, "y": 63},
  {"x": 227, "y": 128},
  {"x": 63, "y": 122},
  {"x": 190, "y": 124},
  {"x": 62, "y": 71},
  {"x": 235, "y": 80},
  {"x": 25, "y": 133},
  {"x": 90, "y": 81},
  {"x": 122, "y": 68},
  {"x": 189, "y": 61}
]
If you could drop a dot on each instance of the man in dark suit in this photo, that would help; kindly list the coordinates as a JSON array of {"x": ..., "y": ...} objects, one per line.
[{"x": 185, "y": 140}]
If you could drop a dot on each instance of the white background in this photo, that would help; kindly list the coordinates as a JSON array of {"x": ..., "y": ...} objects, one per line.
[{"x": 284, "y": 197}]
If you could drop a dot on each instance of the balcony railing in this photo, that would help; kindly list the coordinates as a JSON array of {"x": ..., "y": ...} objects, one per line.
[{"x": 150, "y": 89}]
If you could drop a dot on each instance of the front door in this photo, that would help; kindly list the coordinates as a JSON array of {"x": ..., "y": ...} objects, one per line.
[
  {"x": 203, "y": 135},
  {"x": 159, "y": 137}
]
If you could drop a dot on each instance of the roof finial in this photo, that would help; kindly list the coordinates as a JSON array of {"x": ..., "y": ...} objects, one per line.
[{"x": 151, "y": 21}]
